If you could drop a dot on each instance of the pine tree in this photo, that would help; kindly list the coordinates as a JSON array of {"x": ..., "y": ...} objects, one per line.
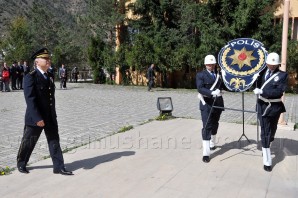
[{"x": 17, "y": 44}]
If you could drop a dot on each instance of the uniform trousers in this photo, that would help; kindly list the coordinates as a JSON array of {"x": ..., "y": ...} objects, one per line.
[
  {"x": 13, "y": 82},
  {"x": 63, "y": 82},
  {"x": 150, "y": 84},
  {"x": 211, "y": 127},
  {"x": 268, "y": 129},
  {"x": 20, "y": 82},
  {"x": 29, "y": 140}
]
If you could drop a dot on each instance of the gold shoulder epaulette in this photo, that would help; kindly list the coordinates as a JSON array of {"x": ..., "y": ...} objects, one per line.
[{"x": 32, "y": 72}]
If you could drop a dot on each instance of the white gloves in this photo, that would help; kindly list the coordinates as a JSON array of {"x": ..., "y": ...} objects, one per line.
[
  {"x": 216, "y": 93},
  {"x": 258, "y": 91}
]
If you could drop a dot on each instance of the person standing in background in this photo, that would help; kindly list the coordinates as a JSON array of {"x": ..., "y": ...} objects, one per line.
[
  {"x": 75, "y": 73},
  {"x": 5, "y": 78},
  {"x": 52, "y": 70},
  {"x": 13, "y": 75},
  {"x": 20, "y": 75},
  {"x": 26, "y": 68},
  {"x": 150, "y": 77},
  {"x": 63, "y": 76}
]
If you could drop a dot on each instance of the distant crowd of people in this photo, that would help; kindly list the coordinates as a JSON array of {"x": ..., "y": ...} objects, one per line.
[{"x": 12, "y": 77}]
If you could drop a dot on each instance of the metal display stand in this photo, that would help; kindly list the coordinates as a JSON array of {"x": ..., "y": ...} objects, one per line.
[{"x": 243, "y": 133}]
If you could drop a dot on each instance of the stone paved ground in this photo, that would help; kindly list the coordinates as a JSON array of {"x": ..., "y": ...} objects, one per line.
[{"x": 87, "y": 112}]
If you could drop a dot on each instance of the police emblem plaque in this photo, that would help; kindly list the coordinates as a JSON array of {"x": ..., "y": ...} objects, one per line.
[{"x": 241, "y": 61}]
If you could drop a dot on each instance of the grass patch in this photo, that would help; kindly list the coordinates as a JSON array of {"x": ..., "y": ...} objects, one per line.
[
  {"x": 46, "y": 157},
  {"x": 187, "y": 117},
  {"x": 253, "y": 123},
  {"x": 74, "y": 147},
  {"x": 166, "y": 116},
  {"x": 296, "y": 126},
  {"x": 125, "y": 128},
  {"x": 146, "y": 122},
  {"x": 5, "y": 171}
]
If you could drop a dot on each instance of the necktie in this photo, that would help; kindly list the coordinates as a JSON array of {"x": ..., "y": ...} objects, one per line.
[
  {"x": 45, "y": 75},
  {"x": 213, "y": 75},
  {"x": 268, "y": 75}
]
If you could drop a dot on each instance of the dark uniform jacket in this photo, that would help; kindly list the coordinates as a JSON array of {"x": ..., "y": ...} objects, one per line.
[
  {"x": 40, "y": 98},
  {"x": 204, "y": 81},
  {"x": 274, "y": 89},
  {"x": 150, "y": 74}
]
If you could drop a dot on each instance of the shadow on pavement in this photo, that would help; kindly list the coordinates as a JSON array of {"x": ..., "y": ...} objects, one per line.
[
  {"x": 39, "y": 167},
  {"x": 280, "y": 148},
  {"x": 241, "y": 145},
  {"x": 92, "y": 162},
  {"x": 160, "y": 90}
]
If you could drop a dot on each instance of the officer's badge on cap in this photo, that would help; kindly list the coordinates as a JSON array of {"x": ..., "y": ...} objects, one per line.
[{"x": 42, "y": 53}]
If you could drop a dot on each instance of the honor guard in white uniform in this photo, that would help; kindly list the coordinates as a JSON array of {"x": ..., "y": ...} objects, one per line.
[
  {"x": 209, "y": 86},
  {"x": 270, "y": 87}
]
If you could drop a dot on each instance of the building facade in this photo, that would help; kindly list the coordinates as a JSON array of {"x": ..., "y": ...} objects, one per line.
[{"x": 293, "y": 14}]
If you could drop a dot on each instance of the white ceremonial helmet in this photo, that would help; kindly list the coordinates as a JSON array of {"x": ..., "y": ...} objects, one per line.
[
  {"x": 273, "y": 59},
  {"x": 209, "y": 59}
]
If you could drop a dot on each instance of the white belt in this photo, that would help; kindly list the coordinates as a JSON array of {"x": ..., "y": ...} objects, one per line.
[
  {"x": 201, "y": 98},
  {"x": 269, "y": 101}
]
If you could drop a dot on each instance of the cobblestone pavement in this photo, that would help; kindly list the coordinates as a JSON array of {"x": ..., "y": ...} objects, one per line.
[{"x": 87, "y": 112}]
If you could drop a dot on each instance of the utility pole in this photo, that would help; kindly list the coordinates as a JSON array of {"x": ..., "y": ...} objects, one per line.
[{"x": 283, "y": 67}]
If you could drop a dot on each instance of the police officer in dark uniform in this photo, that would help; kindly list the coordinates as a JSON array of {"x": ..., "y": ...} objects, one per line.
[
  {"x": 39, "y": 91},
  {"x": 271, "y": 85},
  {"x": 209, "y": 86}
]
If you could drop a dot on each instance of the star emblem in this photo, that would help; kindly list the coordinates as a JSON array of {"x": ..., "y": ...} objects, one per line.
[{"x": 242, "y": 57}]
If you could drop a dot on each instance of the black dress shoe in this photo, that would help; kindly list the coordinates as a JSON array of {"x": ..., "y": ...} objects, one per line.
[
  {"x": 213, "y": 148},
  {"x": 267, "y": 168},
  {"x": 206, "y": 159},
  {"x": 23, "y": 169},
  {"x": 62, "y": 171}
]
